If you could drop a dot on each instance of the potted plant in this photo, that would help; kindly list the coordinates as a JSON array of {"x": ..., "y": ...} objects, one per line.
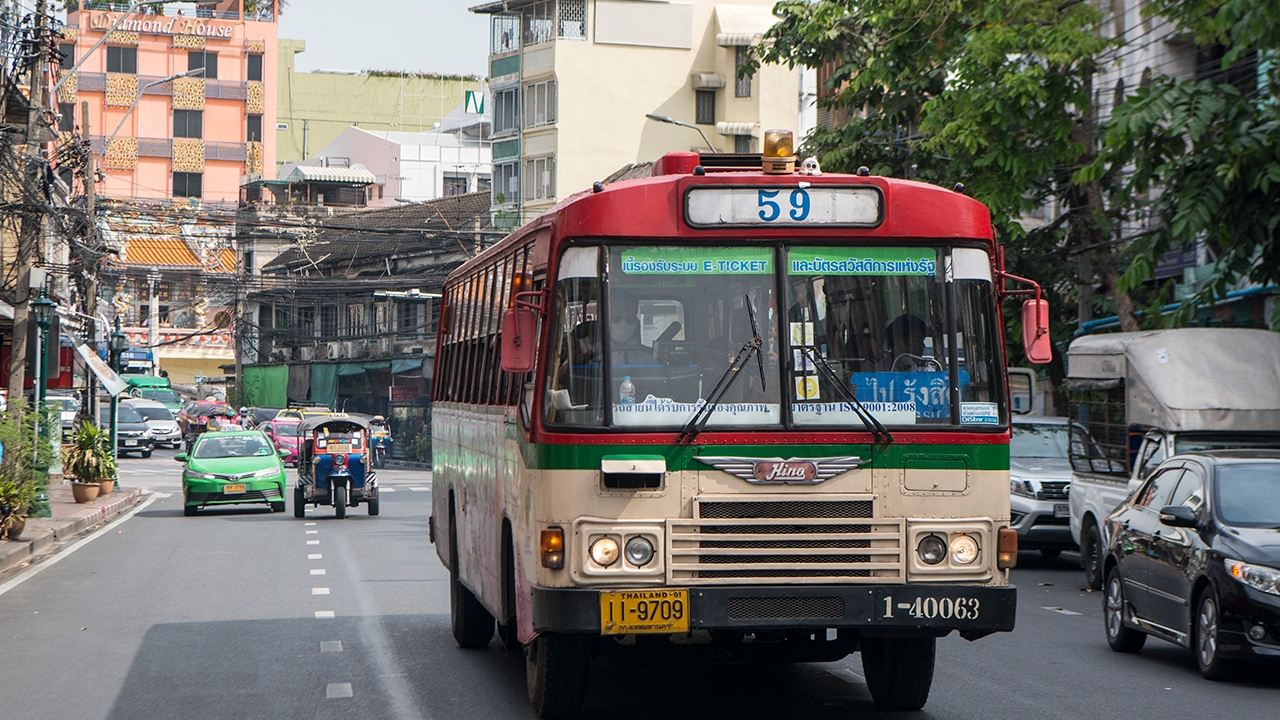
[
  {"x": 22, "y": 474},
  {"x": 90, "y": 462}
]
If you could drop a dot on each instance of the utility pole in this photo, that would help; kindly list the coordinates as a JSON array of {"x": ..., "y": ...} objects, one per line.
[
  {"x": 32, "y": 217},
  {"x": 90, "y": 274}
]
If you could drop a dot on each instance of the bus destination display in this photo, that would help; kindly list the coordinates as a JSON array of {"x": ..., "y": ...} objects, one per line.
[{"x": 804, "y": 205}]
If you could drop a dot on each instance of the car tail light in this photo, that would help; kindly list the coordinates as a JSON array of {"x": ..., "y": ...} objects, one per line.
[{"x": 1008, "y": 549}]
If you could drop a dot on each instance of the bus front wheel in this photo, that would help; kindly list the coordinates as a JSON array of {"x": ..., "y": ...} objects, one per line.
[
  {"x": 899, "y": 671},
  {"x": 556, "y": 674}
]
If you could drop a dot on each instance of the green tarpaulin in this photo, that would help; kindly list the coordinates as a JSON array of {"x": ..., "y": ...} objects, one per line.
[
  {"x": 401, "y": 366},
  {"x": 348, "y": 369},
  {"x": 324, "y": 385},
  {"x": 266, "y": 386}
]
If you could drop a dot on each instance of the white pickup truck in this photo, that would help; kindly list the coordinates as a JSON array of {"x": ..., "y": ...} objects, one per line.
[{"x": 1143, "y": 397}]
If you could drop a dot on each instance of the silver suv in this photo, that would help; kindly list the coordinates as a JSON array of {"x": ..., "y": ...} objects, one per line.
[{"x": 1039, "y": 480}]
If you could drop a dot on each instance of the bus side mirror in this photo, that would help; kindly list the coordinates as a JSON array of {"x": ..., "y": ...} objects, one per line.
[
  {"x": 519, "y": 332},
  {"x": 1035, "y": 331}
]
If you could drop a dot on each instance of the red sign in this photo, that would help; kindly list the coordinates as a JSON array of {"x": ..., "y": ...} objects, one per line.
[{"x": 403, "y": 393}]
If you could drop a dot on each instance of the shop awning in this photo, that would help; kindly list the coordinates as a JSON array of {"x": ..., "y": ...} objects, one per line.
[
  {"x": 739, "y": 25},
  {"x": 402, "y": 366},
  {"x": 355, "y": 176},
  {"x": 348, "y": 369}
]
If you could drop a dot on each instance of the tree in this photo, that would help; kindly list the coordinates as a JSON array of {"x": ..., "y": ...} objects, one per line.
[
  {"x": 1209, "y": 149},
  {"x": 996, "y": 94}
]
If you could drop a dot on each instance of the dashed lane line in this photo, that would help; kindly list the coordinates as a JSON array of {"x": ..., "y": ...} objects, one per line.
[
  {"x": 337, "y": 690},
  {"x": 312, "y": 532},
  {"x": 313, "y": 542},
  {"x": 317, "y": 571},
  {"x": 1060, "y": 611},
  {"x": 319, "y": 591},
  {"x": 324, "y": 615},
  {"x": 330, "y": 646},
  {"x": 315, "y": 556}
]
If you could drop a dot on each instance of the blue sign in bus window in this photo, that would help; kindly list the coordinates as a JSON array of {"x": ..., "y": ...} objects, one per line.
[{"x": 928, "y": 390}]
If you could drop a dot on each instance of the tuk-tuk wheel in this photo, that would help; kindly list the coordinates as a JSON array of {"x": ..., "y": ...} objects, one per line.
[
  {"x": 373, "y": 505},
  {"x": 340, "y": 502},
  {"x": 299, "y": 503}
]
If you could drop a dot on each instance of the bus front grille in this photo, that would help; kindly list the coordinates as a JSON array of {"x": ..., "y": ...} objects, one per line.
[{"x": 750, "y": 540}]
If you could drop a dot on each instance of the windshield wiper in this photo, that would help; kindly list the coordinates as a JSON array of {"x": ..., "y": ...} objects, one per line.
[
  {"x": 878, "y": 430},
  {"x": 700, "y": 418}
]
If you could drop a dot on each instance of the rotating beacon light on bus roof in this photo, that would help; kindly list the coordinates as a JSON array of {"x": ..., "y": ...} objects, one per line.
[{"x": 779, "y": 152}]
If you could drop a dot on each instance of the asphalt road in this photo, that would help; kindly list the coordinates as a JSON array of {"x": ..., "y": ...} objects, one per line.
[{"x": 227, "y": 615}]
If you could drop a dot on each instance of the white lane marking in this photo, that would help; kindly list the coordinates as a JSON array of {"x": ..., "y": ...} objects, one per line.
[
  {"x": 310, "y": 523},
  {"x": 163, "y": 495},
  {"x": 382, "y": 489},
  {"x": 420, "y": 489},
  {"x": 34, "y": 570},
  {"x": 313, "y": 542},
  {"x": 337, "y": 690},
  {"x": 847, "y": 675},
  {"x": 317, "y": 571},
  {"x": 324, "y": 615},
  {"x": 1060, "y": 611},
  {"x": 319, "y": 591},
  {"x": 312, "y": 532},
  {"x": 315, "y": 556},
  {"x": 330, "y": 646}
]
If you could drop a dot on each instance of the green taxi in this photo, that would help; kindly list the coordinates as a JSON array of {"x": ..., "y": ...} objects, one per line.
[{"x": 228, "y": 468}]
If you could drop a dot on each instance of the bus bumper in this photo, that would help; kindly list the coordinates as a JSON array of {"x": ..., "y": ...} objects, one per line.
[{"x": 975, "y": 611}]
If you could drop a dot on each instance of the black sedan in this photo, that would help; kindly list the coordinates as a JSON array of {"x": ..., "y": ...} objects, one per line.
[
  {"x": 132, "y": 433},
  {"x": 1194, "y": 559}
]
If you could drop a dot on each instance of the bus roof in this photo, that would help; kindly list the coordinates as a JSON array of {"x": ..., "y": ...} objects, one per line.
[{"x": 652, "y": 207}]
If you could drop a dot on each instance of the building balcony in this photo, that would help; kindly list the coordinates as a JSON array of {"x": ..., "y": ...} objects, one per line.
[
  {"x": 213, "y": 89},
  {"x": 163, "y": 148},
  {"x": 254, "y": 10}
]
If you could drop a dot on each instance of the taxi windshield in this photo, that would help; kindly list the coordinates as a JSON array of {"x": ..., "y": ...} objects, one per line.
[{"x": 231, "y": 446}]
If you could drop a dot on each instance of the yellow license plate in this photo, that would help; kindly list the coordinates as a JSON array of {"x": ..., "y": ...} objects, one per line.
[
  {"x": 231, "y": 489},
  {"x": 623, "y": 612},
  {"x": 339, "y": 448}
]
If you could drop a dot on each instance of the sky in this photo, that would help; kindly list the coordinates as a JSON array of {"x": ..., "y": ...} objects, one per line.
[{"x": 416, "y": 35}]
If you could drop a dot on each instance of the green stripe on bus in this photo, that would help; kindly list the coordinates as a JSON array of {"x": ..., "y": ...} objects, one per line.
[{"x": 941, "y": 457}]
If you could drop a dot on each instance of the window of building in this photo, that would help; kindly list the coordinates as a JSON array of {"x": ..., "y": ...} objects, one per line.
[
  {"x": 253, "y": 67},
  {"x": 122, "y": 60},
  {"x": 67, "y": 55},
  {"x": 506, "y": 110},
  {"x": 1117, "y": 97},
  {"x": 455, "y": 186},
  {"x": 571, "y": 23},
  {"x": 706, "y": 110},
  {"x": 539, "y": 22},
  {"x": 249, "y": 265},
  {"x": 66, "y": 117},
  {"x": 744, "y": 144},
  {"x": 307, "y": 322},
  {"x": 1117, "y": 19},
  {"x": 197, "y": 59},
  {"x": 540, "y": 104},
  {"x": 253, "y": 132},
  {"x": 406, "y": 317},
  {"x": 540, "y": 178},
  {"x": 504, "y": 34},
  {"x": 355, "y": 320},
  {"x": 188, "y": 123},
  {"x": 188, "y": 184},
  {"x": 506, "y": 185},
  {"x": 742, "y": 85},
  {"x": 328, "y": 320}
]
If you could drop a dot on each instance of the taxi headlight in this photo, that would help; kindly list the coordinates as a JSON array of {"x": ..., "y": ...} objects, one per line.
[
  {"x": 639, "y": 551},
  {"x": 1258, "y": 577},
  {"x": 265, "y": 472},
  {"x": 964, "y": 549},
  {"x": 932, "y": 550},
  {"x": 604, "y": 552},
  {"x": 201, "y": 476}
]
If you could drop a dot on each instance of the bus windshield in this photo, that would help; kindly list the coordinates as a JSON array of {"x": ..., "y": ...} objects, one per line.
[{"x": 878, "y": 324}]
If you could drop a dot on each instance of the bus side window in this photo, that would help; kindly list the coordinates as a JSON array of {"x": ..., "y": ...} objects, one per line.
[{"x": 574, "y": 366}]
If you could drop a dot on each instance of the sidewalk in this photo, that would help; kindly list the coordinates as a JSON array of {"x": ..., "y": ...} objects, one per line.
[{"x": 69, "y": 519}]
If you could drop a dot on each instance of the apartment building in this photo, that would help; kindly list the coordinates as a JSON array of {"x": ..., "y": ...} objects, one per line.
[
  {"x": 182, "y": 138},
  {"x": 572, "y": 82}
]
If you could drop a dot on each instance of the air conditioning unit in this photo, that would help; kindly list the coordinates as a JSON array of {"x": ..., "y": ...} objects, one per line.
[{"x": 305, "y": 354}]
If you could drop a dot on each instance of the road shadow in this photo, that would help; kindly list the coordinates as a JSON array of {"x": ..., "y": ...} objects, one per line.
[{"x": 274, "y": 669}]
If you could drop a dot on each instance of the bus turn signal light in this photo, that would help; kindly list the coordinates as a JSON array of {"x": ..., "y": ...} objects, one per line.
[
  {"x": 553, "y": 549},
  {"x": 1008, "y": 549}
]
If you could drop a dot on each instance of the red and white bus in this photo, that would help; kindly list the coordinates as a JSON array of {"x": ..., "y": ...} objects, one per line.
[{"x": 729, "y": 412}]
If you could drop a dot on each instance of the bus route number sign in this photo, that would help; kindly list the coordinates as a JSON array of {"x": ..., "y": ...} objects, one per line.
[
  {"x": 623, "y": 612},
  {"x": 848, "y": 206}
]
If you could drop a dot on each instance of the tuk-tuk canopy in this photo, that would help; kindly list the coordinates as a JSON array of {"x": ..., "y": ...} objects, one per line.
[{"x": 335, "y": 423}]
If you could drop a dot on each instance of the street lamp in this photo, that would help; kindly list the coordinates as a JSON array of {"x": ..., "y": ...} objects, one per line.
[
  {"x": 117, "y": 349},
  {"x": 42, "y": 310},
  {"x": 673, "y": 121}
]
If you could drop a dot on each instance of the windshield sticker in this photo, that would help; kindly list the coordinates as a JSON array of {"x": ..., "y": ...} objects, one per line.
[
  {"x": 697, "y": 261},
  {"x": 665, "y": 412},
  {"x": 843, "y": 413},
  {"x": 802, "y": 334},
  {"x": 927, "y": 390},
  {"x": 807, "y": 388},
  {"x": 979, "y": 413},
  {"x": 862, "y": 261}
]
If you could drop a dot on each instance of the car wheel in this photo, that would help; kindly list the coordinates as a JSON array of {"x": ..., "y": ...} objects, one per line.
[
  {"x": 277, "y": 506},
  {"x": 187, "y": 510},
  {"x": 299, "y": 503},
  {"x": 1050, "y": 554},
  {"x": 1091, "y": 556},
  {"x": 555, "y": 670},
  {"x": 1119, "y": 637},
  {"x": 146, "y": 454},
  {"x": 1208, "y": 650},
  {"x": 340, "y": 502},
  {"x": 899, "y": 671}
]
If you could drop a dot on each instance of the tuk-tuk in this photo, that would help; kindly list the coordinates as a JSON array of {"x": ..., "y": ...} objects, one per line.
[
  {"x": 381, "y": 441},
  {"x": 335, "y": 465}
]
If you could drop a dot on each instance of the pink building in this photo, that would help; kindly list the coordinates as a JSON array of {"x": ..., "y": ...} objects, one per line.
[{"x": 191, "y": 137}]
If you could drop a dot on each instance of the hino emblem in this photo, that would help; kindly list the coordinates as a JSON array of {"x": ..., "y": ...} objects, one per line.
[{"x": 776, "y": 471}]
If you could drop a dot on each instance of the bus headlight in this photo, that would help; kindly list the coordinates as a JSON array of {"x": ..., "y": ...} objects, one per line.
[
  {"x": 964, "y": 549},
  {"x": 639, "y": 551},
  {"x": 604, "y": 552},
  {"x": 932, "y": 550}
]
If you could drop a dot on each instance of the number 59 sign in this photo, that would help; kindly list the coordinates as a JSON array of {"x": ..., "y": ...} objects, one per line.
[{"x": 855, "y": 206}]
